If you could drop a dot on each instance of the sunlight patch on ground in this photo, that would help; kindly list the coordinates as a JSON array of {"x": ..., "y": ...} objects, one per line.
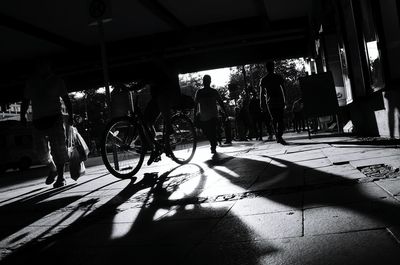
[{"x": 227, "y": 171}]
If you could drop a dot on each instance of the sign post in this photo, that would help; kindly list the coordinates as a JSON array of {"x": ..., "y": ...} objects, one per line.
[{"x": 99, "y": 13}]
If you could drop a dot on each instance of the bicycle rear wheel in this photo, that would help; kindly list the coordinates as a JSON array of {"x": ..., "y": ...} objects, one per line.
[
  {"x": 182, "y": 143},
  {"x": 122, "y": 147}
]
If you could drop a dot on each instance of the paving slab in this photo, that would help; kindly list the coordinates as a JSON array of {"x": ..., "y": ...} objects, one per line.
[
  {"x": 335, "y": 150},
  {"x": 198, "y": 211},
  {"x": 268, "y": 204},
  {"x": 393, "y": 161},
  {"x": 343, "y": 194},
  {"x": 110, "y": 254},
  {"x": 302, "y": 156},
  {"x": 352, "y": 217},
  {"x": 394, "y": 231},
  {"x": 143, "y": 231},
  {"x": 334, "y": 173},
  {"x": 297, "y": 147},
  {"x": 25, "y": 236},
  {"x": 365, "y": 247},
  {"x": 390, "y": 185},
  {"x": 278, "y": 174},
  {"x": 256, "y": 227},
  {"x": 315, "y": 163},
  {"x": 342, "y": 158},
  {"x": 269, "y": 152}
]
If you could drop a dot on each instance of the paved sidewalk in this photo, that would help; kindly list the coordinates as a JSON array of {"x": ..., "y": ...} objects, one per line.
[{"x": 328, "y": 200}]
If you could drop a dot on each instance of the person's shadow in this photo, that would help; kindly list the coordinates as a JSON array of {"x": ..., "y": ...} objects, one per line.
[
  {"x": 279, "y": 181},
  {"x": 284, "y": 177}
]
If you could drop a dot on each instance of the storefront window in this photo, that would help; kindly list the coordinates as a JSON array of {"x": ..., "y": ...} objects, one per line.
[
  {"x": 371, "y": 40},
  {"x": 345, "y": 73}
]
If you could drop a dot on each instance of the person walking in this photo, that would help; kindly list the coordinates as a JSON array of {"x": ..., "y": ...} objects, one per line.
[
  {"x": 206, "y": 100},
  {"x": 228, "y": 131},
  {"x": 272, "y": 92},
  {"x": 298, "y": 117},
  {"x": 244, "y": 119},
  {"x": 44, "y": 91},
  {"x": 256, "y": 116}
]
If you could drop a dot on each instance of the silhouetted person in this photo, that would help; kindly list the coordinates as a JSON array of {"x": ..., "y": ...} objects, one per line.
[
  {"x": 393, "y": 100},
  {"x": 298, "y": 116},
  {"x": 272, "y": 91},
  {"x": 44, "y": 90},
  {"x": 228, "y": 131},
  {"x": 266, "y": 119},
  {"x": 206, "y": 100},
  {"x": 256, "y": 116},
  {"x": 244, "y": 125},
  {"x": 163, "y": 82}
]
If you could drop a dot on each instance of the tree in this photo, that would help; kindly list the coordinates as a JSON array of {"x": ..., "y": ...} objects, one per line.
[
  {"x": 190, "y": 83},
  {"x": 290, "y": 69},
  {"x": 91, "y": 106}
]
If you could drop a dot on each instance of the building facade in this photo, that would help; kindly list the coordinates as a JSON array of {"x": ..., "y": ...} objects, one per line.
[{"x": 358, "y": 41}]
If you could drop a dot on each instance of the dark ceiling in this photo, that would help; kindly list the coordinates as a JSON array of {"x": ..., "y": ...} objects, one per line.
[{"x": 191, "y": 35}]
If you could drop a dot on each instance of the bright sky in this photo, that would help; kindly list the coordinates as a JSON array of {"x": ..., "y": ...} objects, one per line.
[{"x": 219, "y": 77}]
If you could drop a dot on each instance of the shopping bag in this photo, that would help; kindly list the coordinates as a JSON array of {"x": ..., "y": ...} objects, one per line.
[
  {"x": 83, "y": 149},
  {"x": 76, "y": 164}
]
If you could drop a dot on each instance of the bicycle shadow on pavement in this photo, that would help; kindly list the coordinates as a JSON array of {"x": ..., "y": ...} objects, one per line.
[
  {"x": 156, "y": 228},
  {"x": 149, "y": 229}
]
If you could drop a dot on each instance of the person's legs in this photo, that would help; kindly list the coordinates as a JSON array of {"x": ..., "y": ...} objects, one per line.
[
  {"x": 219, "y": 131},
  {"x": 278, "y": 123},
  {"x": 164, "y": 106},
  {"x": 41, "y": 146},
  {"x": 268, "y": 124},
  {"x": 210, "y": 131},
  {"x": 260, "y": 128},
  {"x": 151, "y": 112},
  {"x": 247, "y": 126},
  {"x": 59, "y": 150},
  {"x": 228, "y": 132},
  {"x": 296, "y": 122}
]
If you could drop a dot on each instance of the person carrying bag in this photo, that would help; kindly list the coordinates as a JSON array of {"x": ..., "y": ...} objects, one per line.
[{"x": 78, "y": 152}]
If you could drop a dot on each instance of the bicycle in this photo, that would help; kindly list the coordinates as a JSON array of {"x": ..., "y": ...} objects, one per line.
[{"x": 129, "y": 139}]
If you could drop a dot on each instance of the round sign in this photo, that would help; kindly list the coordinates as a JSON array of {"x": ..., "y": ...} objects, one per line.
[{"x": 97, "y": 8}]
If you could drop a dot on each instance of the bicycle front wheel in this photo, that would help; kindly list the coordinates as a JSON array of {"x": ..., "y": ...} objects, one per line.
[
  {"x": 182, "y": 143},
  {"x": 122, "y": 148}
]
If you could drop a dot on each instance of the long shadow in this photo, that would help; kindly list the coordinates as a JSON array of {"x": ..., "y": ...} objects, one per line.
[
  {"x": 27, "y": 210},
  {"x": 18, "y": 177},
  {"x": 288, "y": 177},
  {"x": 32, "y": 206},
  {"x": 281, "y": 177},
  {"x": 180, "y": 235},
  {"x": 173, "y": 238},
  {"x": 23, "y": 195}
]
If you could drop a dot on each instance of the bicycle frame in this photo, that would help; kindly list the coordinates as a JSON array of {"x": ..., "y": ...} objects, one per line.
[
  {"x": 136, "y": 114},
  {"x": 139, "y": 129}
]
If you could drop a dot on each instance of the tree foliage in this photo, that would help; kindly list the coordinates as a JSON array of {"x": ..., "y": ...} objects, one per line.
[
  {"x": 90, "y": 105},
  {"x": 290, "y": 69}
]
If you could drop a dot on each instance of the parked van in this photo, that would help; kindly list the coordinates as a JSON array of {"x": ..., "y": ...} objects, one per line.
[{"x": 16, "y": 146}]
